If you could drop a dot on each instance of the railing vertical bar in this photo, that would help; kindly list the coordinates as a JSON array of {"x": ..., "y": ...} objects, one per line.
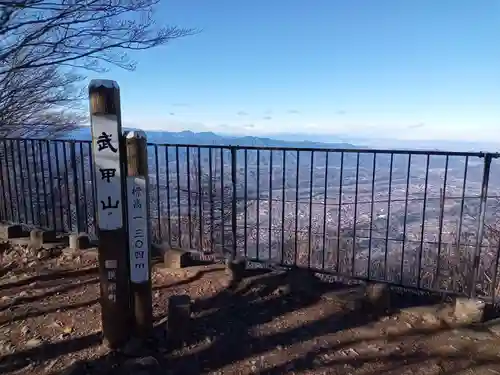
[
  {"x": 311, "y": 179},
  {"x": 297, "y": 209},
  {"x": 245, "y": 219},
  {"x": 75, "y": 186},
  {"x": 11, "y": 200},
  {"x": 356, "y": 188},
  {"x": 258, "y": 206},
  {"x": 66, "y": 182},
  {"x": 188, "y": 179},
  {"x": 480, "y": 225},
  {"x": 37, "y": 185},
  {"x": 324, "y": 210},
  {"x": 270, "y": 208},
  {"x": 84, "y": 187},
  {"x": 441, "y": 219},
  {"x": 388, "y": 216},
  {"x": 462, "y": 203},
  {"x": 9, "y": 213},
  {"x": 28, "y": 171},
  {"x": 233, "y": 201},
  {"x": 51, "y": 186},
  {"x": 211, "y": 198},
  {"x": 92, "y": 190},
  {"x": 3, "y": 169},
  {"x": 223, "y": 213},
  {"x": 158, "y": 202},
  {"x": 59, "y": 187},
  {"x": 44, "y": 186},
  {"x": 374, "y": 166},
  {"x": 283, "y": 198},
  {"x": 422, "y": 231},
  {"x": 14, "y": 175},
  {"x": 200, "y": 201},
  {"x": 179, "y": 218},
  {"x": 408, "y": 171},
  {"x": 339, "y": 218},
  {"x": 21, "y": 179},
  {"x": 167, "y": 179}
]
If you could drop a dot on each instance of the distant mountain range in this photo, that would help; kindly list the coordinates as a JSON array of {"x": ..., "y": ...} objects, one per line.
[
  {"x": 209, "y": 138},
  {"x": 304, "y": 141}
]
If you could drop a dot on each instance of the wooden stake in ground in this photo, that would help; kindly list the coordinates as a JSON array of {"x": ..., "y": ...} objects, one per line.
[
  {"x": 108, "y": 152},
  {"x": 138, "y": 225}
]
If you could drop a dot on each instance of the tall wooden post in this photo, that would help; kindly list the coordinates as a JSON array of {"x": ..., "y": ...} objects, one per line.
[
  {"x": 139, "y": 232},
  {"x": 108, "y": 152}
]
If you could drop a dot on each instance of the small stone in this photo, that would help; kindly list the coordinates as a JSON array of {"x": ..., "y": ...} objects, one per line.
[
  {"x": 25, "y": 330},
  {"x": 6, "y": 347},
  {"x": 55, "y": 324},
  {"x": 176, "y": 258},
  {"x": 5, "y": 299},
  {"x": 23, "y": 294},
  {"x": 468, "y": 311},
  {"x": 431, "y": 319},
  {"x": 33, "y": 343}
]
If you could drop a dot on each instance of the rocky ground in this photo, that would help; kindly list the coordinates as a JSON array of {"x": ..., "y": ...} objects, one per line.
[{"x": 270, "y": 323}]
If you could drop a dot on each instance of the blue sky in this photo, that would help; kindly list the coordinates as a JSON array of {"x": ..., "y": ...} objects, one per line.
[{"x": 408, "y": 69}]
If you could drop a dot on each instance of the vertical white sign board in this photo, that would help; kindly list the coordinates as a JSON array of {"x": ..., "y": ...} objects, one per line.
[
  {"x": 138, "y": 228},
  {"x": 106, "y": 158}
]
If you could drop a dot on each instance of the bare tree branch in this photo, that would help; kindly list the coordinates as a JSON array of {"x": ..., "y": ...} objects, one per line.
[{"x": 83, "y": 33}]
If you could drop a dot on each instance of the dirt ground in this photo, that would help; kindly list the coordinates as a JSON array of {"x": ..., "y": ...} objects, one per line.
[{"x": 270, "y": 323}]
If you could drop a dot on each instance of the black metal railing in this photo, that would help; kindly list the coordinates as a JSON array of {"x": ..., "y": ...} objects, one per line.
[{"x": 428, "y": 220}]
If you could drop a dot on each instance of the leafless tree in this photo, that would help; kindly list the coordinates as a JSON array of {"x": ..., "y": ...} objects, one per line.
[
  {"x": 79, "y": 33},
  {"x": 42, "y": 42},
  {"x": 45, "y": 102}
]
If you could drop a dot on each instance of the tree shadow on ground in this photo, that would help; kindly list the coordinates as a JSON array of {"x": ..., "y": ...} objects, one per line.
[
  {"x": 50, "y": 276},
  {"x": 223, "y": 332},
  {"x": 259, "y": 300}
]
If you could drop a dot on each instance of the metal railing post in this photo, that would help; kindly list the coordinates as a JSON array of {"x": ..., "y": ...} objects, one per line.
[
  {"x": 480, "y": 230},
  {"x": 75, "y": 185},
  {"x": 233, "y": 203}
]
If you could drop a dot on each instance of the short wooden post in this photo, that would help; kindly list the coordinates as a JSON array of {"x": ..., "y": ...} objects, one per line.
[
  {"x": 108, "y": 151},
  {"x": 139, "y": 232}
]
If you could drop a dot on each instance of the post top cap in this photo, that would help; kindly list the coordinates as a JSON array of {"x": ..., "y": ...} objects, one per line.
[
  {"x": 136, "y": 134},
  {"x": 107, "y": 83}
]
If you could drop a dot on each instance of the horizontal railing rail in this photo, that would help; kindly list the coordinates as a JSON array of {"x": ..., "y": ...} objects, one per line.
[{"x": 427, "y": 220}]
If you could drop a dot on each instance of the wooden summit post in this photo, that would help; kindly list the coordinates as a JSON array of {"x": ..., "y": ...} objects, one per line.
[
  {"x": 139, "y": 232},
  {"x": 108, "y": 155}
]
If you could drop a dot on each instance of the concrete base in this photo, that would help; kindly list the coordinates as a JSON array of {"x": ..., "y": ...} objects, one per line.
[
  {"x": 377, "y": 298},
  {"x": 79, "y": 241},
  {"x": 468, "y": 311},
  {"x": 235, "y": 268},
  {"x": 176, "y": 258},
  {"x": 11, "y": 231},
  {"x": 178, "y": 323},
  {"x": 39, "y": 237}
]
